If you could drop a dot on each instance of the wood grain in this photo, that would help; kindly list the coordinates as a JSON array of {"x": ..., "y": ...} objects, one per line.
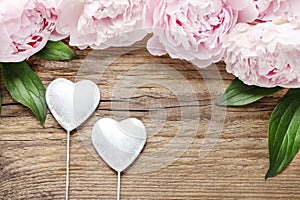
[{"x": 136, "y": 84}]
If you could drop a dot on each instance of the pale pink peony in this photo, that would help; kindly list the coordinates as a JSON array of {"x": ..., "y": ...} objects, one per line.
[
  {"x": 266, "y": 54},
  {"x": 101, "y": 23},
  {"x": 25, "y": 26},
  {"x": 192, "y": 30}
]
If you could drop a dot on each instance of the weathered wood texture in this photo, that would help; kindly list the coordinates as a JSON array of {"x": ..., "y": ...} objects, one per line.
[{"x": 176, "y": 103}]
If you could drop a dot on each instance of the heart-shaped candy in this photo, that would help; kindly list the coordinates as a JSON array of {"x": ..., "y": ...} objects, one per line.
[
  {"x": 119, "y": 143},
  {"x": 71, "y": 104}
]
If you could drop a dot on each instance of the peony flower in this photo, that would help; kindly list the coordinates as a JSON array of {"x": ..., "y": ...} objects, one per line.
[
  {"x": 266, "y": 54},
  {"x": 192, "y": 30},
  {"x": 101, "y": 23},
  {"x": 25, "y": 26}
]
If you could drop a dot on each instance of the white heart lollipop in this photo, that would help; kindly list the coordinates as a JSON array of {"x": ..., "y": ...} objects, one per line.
[
  {"x": 71, "y": 104},
  {"x": 119, "y": 143}
]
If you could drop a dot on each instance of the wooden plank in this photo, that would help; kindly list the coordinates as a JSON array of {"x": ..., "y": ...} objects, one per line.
[{"x": 136, "y": 84}]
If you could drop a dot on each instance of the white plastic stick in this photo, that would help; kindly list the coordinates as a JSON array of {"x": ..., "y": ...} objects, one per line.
[
  {"x": 67, "y": 165},
  {"x": 119, "y": 186}
]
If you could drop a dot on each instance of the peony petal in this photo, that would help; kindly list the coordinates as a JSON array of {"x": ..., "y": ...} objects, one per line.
[
  {"x": 249, "y": 14},
  {"x": 238, "y": 4},
  {"x": 155, "y": 47}
]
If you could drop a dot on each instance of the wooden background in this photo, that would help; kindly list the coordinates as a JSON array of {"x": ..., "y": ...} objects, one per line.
[{"x": 32, "y": 157}]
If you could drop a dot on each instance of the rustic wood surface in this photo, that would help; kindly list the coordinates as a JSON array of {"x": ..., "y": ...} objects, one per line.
[{"x": 32, "y": 157}]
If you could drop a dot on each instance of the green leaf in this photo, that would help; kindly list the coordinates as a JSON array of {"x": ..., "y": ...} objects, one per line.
[
  {"x": 26, "y": 88},
  {"x": 240, "y": 94},
  {"x": 56, "y": 51},
  {"x": 284, "y": 132}
]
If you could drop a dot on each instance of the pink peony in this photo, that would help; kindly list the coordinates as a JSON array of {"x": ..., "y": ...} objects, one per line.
[
  {"x": 192, "y": 30},
  {"x": 25, "y": 26},
  {"x": 266, "y": 54},
  {"x": 101, "y": 23}
]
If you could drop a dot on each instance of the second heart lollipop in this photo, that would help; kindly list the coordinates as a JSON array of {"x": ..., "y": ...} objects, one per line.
[{"x": 119, "y": 143}]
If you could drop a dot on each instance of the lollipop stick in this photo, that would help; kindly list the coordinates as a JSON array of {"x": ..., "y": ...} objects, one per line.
[
  {"x": 119, "y": 185},
  {"x": 67, "y": 165}
]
